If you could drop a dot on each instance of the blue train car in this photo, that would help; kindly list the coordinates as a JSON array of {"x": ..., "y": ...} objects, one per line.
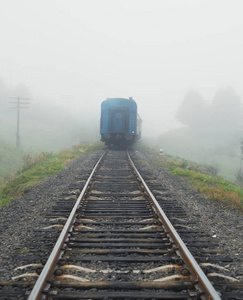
[{"x": 120, "y": 124}]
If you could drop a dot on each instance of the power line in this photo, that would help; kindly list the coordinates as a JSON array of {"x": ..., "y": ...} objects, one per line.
[{"x": 19, "y": 105}]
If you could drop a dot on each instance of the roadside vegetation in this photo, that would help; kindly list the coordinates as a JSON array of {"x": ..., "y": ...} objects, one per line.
[
  {"x": 11, "y": 158},
  {"x": 204, "y": 178},
  {"x": 211, "y": 134},
  {"x": 36, "y": 168}
]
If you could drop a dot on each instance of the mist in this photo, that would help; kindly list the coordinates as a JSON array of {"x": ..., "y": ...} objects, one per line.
[
  {"x": 45, "y": 125},
  {"x": 69, "y": 56}
]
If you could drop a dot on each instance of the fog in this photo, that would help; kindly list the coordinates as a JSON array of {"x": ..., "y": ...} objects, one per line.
[{"x": 71, "y": 55}]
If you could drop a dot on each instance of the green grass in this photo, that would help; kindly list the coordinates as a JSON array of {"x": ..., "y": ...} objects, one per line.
[
  {"x": 203, "y": 178},
  {"x": 213, "y": 187},
  {"x": 10, "y": 159},
  {"x": 36, "y": 169}
]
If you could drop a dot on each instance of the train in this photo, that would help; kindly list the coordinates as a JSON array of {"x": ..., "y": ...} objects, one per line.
[{"x": 120, "y": 124}]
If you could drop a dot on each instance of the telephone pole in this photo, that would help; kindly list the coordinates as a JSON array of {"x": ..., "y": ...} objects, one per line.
[{"x": 18, "y": 105}]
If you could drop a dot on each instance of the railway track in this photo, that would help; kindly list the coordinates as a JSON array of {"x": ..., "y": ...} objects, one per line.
[{"x": 115, "y": 242}]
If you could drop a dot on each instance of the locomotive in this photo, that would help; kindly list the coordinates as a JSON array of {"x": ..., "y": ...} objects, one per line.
[{"x": 120, "y": 124}]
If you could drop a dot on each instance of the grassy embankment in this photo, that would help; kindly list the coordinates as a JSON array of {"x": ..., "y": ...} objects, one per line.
[
  {"x": 36, "y": 169},
  {"x": 45, "y": 164},
  {"x": 202, "y": 178},
  {"x": 11, "y": 159}
]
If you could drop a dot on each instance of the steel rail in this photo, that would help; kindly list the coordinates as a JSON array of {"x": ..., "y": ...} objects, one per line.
[
  {"x": 196, "y": 272},
  {"x": 53, "y": 258}
]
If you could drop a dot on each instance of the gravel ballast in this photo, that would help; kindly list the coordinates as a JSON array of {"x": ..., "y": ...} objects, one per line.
[
  {"x": 224, "y": 224},
  {"x": 21, "y": 215}
]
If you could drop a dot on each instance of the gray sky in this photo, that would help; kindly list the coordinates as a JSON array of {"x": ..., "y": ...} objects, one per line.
[{"x": 152, "y": 50}]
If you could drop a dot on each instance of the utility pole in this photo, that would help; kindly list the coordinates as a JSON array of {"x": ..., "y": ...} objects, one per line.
[{"x": 18, "y": 106}]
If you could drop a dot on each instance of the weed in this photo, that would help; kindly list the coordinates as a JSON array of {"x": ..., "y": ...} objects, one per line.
[
  {"x": 184, "y": 164},
  {"x": 37, "y": 168},
  {"x": 205, "y": 179}
]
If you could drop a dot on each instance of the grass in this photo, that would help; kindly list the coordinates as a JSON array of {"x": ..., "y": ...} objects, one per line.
[
  {"x": 203, "y": 178},
  {"x": 214, "y": 188},
  {"x": 36, "y": 169},
  {"x": 10, "y": 158}
]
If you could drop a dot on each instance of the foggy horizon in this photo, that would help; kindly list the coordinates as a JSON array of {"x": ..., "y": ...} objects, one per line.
[{"x": 76, "y": 54}]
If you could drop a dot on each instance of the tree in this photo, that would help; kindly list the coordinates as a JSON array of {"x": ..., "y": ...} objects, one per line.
[
  {"x": 193, "y": 110},
  {"x": 241, "y": 146},
  {"x": 226, "y": 111}
]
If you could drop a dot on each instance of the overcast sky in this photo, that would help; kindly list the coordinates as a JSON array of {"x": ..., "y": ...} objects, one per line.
[{"x": 152, "y": 50}]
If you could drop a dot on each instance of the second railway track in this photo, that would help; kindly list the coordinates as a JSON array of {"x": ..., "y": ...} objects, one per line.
[{"x": 118, "y": 244}]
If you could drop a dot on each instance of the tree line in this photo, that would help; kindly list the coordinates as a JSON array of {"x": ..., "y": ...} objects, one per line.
[{"x": 223, "y": 116}]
